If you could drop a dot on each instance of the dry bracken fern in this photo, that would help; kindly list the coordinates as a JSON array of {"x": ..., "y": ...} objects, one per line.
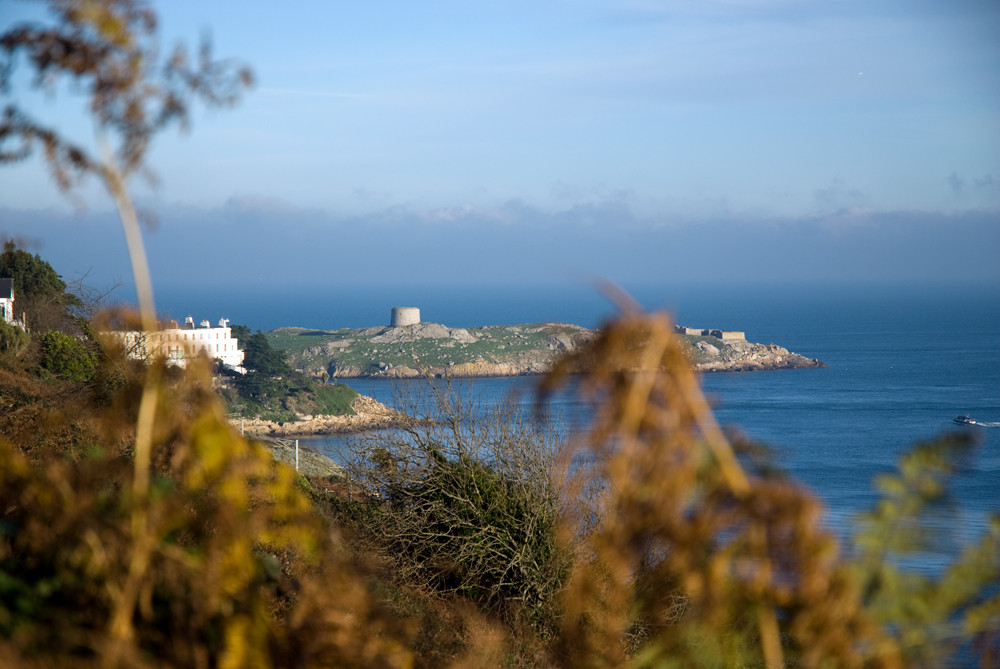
[{"x": 683, "y": 558}]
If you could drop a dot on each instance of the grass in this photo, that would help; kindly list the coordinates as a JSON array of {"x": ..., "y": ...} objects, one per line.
[
  {"x": 310, "y": 350},
  {"x": 335, "y": 400}
]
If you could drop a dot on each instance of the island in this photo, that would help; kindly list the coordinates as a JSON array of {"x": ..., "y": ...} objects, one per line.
[{"x": 408, "y": 348}]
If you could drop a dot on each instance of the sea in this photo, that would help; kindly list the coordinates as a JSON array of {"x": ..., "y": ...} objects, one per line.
[{"x": 902, "y": 361}]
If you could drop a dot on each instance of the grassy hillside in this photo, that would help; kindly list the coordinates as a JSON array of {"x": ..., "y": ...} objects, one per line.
[
  {"x": 289, "y": 399},
  {"x": 431, "y": 347}
]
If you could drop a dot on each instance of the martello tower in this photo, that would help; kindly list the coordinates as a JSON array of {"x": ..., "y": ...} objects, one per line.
[{"x": 403, "y": 316}]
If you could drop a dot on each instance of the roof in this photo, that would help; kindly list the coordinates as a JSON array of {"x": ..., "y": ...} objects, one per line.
[{"x": 6, "y": 289}]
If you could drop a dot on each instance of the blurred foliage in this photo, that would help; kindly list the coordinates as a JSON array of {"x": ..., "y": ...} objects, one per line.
[
  {"x": 684, "y": 560},
  {"x": 930, "y": 615},
  {"x": 110, "y": 50},
  {"x": 230, "y": 566}
]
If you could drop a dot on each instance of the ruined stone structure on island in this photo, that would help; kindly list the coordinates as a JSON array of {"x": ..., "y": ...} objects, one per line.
[
  {"x": 728, "y": 335},
  {"x": 724, "y": 335},
  {"x": 403, "y": 316}
]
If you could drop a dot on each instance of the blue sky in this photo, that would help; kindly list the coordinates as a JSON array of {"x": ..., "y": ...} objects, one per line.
[{"x": 638, "y": 140}]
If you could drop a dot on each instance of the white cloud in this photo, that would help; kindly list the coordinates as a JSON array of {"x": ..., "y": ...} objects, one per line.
[
  {"x": 264, "y": 204},
  {"x": 312, "y": 93}
]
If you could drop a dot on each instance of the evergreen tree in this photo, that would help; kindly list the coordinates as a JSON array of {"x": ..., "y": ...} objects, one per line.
[
  {"x": 261, "y": 358},
  {"x": 39, "y": 291}
]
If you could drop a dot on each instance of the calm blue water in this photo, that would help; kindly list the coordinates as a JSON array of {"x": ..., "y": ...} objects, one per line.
[{"x": 902, "y": 362}]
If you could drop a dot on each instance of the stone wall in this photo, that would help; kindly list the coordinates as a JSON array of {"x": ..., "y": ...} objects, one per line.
[
  {"x": 725, "y": 335},
  {"x": 729, "y": 335}
]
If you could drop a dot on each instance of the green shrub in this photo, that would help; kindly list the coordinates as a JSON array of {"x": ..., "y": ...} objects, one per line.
[
  {"x": 13, "y": 339},
  {"x": 66, "y": 356},
  {"x": 468, "y": 505}
]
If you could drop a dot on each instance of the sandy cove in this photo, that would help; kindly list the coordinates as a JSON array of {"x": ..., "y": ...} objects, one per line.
[{"x": 369, "y": 415}]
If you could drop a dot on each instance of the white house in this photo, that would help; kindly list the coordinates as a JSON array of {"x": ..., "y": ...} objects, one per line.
[
  {"x": 7, "y": 303},
  {"x": 180, "y": 344},
  {"x": 7, "y": 300}
]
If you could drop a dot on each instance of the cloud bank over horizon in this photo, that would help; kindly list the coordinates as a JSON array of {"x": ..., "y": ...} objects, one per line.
[{"x": 258, "y": 241}]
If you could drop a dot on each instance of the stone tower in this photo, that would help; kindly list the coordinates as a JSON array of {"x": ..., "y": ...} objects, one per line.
[{"x": 402, "y": 316}]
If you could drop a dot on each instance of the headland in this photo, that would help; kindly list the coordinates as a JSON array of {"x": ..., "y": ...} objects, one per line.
[{"x": 408, "y": 348}]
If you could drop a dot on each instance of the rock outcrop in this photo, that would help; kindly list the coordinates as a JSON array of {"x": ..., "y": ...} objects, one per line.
[{"x": 742, "y": 356}]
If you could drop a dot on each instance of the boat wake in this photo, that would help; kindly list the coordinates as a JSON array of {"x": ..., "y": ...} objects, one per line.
[{"x": 969, "y": 420}]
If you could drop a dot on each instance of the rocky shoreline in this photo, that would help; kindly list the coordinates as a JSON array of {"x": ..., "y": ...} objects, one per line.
[{"x": 369, "y": 415}]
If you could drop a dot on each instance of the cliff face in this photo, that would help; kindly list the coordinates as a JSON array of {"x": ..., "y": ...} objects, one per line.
[{"x": 501, "y": 350}]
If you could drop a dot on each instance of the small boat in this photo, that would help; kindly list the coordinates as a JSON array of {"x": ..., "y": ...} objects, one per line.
[{"x": 965, "y": 420}]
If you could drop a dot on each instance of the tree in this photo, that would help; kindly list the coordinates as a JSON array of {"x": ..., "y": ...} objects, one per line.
[
  {"x": 260, "y": 356},
  {"x": 267, "y": 373},
  {"x": 93, "y": 300},
  {"x": 38, "y": 290},
  {"x": 240, "y": 332}
]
